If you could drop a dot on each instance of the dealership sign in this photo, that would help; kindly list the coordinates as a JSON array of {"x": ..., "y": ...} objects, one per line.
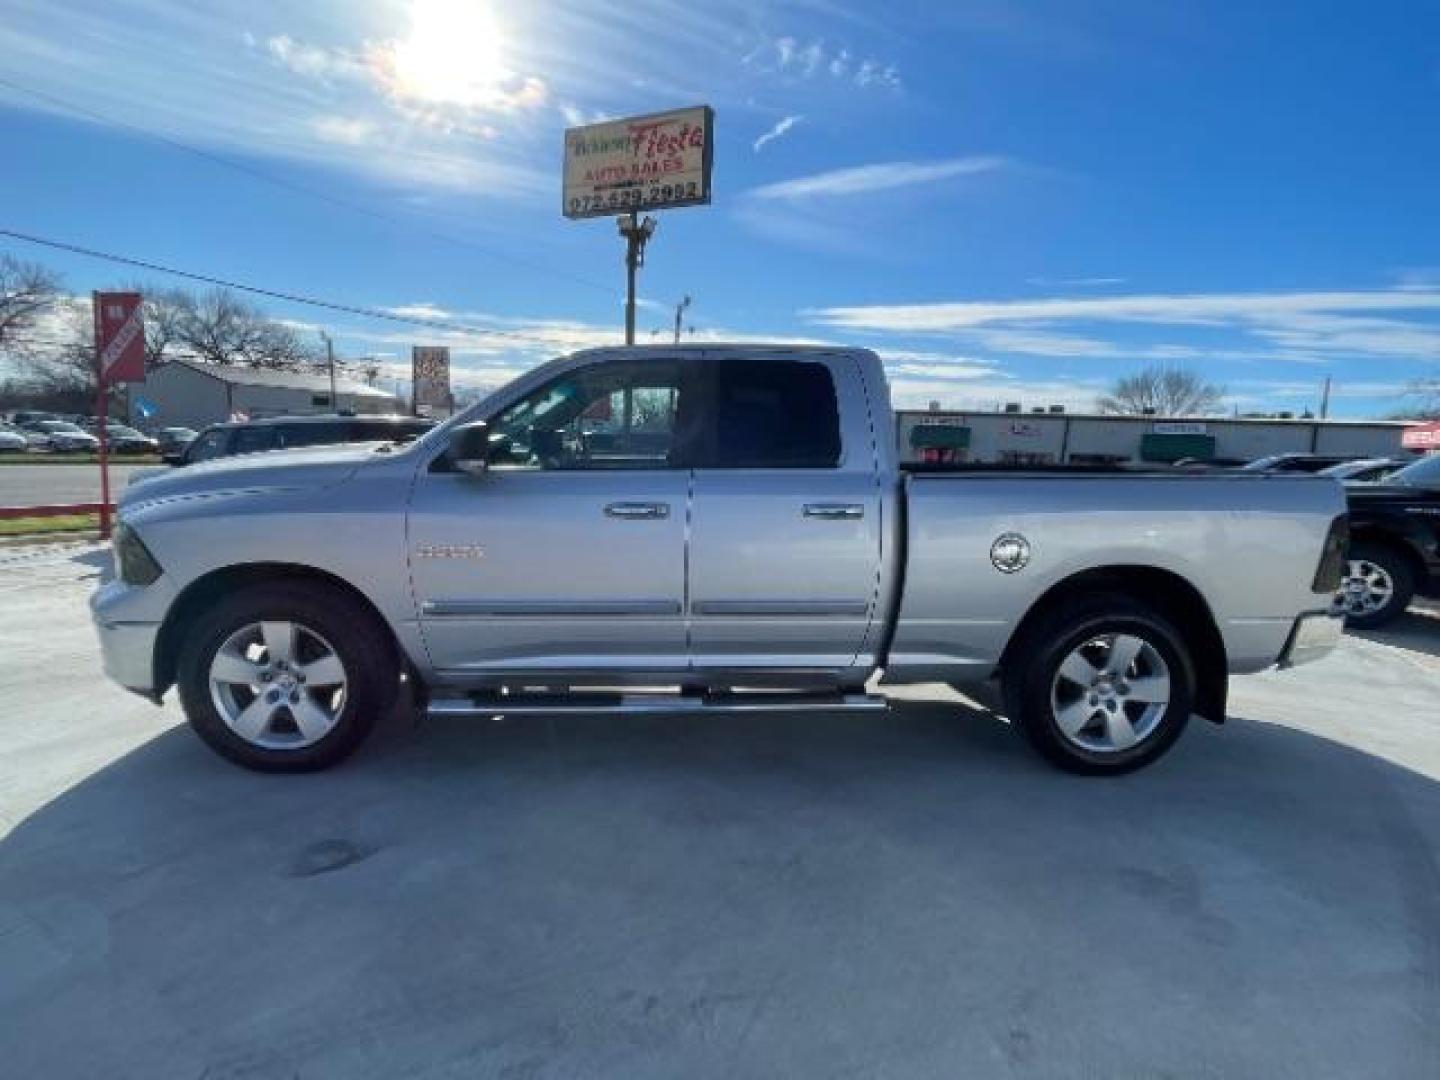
[
  {"x": 119, "y": 336},
  {"x": 430, "y": 375},
  {"x": 650, "y": 162},
  {"x": 1421, "y": 437},
  {"x": 1178, "y": 427}
]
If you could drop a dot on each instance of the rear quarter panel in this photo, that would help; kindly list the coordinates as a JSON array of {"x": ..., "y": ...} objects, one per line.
[{"x": 1249, "y": 545}]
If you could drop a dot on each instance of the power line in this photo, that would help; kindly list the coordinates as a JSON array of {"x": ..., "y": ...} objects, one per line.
[
  {"x": 276, "y": 294},
  {"x": 292, "y": 186}
]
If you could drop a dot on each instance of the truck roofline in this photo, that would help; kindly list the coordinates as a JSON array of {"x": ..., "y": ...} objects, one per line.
[{"x": 729, "y": 348}]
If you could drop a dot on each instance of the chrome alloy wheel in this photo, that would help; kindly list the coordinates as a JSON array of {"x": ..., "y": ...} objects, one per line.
[
  {"x": 278, "y": 685},
  {"x": 1110, "y": 693},
  {"x": 1367, "y": 588}
]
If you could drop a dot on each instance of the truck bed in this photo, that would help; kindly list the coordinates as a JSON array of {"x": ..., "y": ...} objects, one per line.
[{"x": 1249, "y": 543}]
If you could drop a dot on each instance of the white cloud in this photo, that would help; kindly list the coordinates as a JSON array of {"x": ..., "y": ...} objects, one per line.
[
  {"x": 312, "y": 61},
  {"x": 863, "y": 179},
  {"x": 1293, "y": 327},
  {"x": 796, "y": 60},
  {"x": 1213, "y": 309},
  {"x": 780, "y": 128},
  {"x": 990, "y": 395},
  {"x": 575, "y": 116},
  {"x": 350, "y": 130}
]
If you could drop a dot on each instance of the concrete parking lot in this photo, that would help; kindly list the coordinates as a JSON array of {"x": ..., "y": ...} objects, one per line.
[{"x": 910, "y": 895}]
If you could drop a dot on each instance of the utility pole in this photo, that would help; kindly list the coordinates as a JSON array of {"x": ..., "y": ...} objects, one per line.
[
  {"x": 1325, "y": 400},
  {"x": 637, "y": 234},
  {"x": 679, "y": 313},
  {"x": 330, "y": 359}
]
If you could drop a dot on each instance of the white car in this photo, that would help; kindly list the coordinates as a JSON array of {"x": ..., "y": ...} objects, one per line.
[
  {"x": 12, "y": 440},
  {"x": 59, "y": 435}
]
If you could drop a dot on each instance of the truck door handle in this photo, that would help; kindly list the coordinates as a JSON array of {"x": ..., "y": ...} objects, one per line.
[
  {"x": 637, "y": 511},
  {"x": 835, "y": 511}
]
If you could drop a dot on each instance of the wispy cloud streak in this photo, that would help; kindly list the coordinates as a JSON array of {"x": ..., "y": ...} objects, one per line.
[{"x": 884, "y": 176}]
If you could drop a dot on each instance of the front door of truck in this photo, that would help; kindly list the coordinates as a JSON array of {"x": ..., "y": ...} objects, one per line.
[
  {"x": 568, "y": 554},
  {"x": 785, "y": 537}
]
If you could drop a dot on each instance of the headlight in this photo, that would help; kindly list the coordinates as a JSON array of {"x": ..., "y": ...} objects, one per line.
[{"x": 134, "y": 564}]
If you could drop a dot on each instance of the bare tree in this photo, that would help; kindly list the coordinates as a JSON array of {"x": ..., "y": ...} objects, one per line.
[
  {"x": 164, "y": 312},
  {"x": 1426, "y": 395},
  {"x": 1162, "y": 391},
  {"x": 220, "y": 328},
  {"x": 27, "y": 291},
  {"x": 62, "y": 369}
]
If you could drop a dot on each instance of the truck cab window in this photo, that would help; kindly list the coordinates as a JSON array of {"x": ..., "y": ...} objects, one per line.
[
  {"x": 250, "y": 440},
  {"x": 610, "y": 416},
  {"x": 775, "y": 415},
  {"x": 209, "y": 445}
]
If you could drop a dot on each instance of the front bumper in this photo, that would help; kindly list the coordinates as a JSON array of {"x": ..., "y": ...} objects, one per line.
[
  {"x": 128, "y": 624},
  {"x": 1315, "y": 636}
]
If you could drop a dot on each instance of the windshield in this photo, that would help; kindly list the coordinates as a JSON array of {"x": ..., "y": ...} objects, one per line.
[
  {"x": 59, "y": 426},
  {"x": 1425, "y": 473},
  {"x": 440, "y": 434}
]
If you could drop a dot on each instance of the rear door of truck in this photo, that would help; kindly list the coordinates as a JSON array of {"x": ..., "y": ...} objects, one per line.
[{"x": 785, "y": 534}]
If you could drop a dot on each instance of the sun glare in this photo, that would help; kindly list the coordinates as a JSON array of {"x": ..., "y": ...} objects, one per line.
[{"x": 453, "y": 56}]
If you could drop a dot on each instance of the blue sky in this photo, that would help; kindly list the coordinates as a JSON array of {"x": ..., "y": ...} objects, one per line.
[{"x": 1011, "y": 201}]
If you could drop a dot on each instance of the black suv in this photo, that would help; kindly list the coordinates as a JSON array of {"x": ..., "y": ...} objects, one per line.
[
  {"x": 282, "y": 432},
  {"x": 1394, "y": 544}
]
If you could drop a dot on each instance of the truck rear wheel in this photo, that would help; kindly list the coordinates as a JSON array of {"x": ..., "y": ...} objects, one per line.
[
  {"x": 1103, "y": 685},
  {"x": 286, "y": 677}
]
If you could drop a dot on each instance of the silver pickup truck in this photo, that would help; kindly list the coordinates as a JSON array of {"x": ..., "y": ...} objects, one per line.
[{"x": 703, "y": 528}]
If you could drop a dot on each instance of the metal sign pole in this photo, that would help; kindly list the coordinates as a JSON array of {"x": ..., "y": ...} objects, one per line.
[
  {"x": 630, "y": 226},
  {"x": 102, "y": 414}
]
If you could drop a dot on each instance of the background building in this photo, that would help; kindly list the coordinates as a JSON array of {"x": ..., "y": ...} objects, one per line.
[
  {"x": 191, "y": 394},
  {"x": 1055, "y": 438}
]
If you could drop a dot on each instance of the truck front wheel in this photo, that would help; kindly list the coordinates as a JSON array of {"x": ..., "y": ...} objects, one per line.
[
  {"x": 1101, "y": 685},
  {"x": 286, "y": 677}
]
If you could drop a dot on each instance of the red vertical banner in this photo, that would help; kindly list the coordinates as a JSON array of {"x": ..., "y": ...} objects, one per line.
[
  {"x": 120, "y": 337},
  {"x": 119, "y": 357}
]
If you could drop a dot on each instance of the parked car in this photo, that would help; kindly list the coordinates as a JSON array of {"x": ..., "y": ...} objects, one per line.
[
  {"x": 126, "y": 440},
  {"x": 12, "y": 440},
  {"x": 730, "y": 524},
  {"x": 173, "y": 440},
  {"x": 22, "y": 417},
  {"x": 284, "y": 432},
  {"x": 1296, "y": 462},
  {"x": 1395, "y": 544},
  {"x": 60, "y": 436},
  {"x": 1209, "y": 463},
  {"x": 1367, "y": 470}
]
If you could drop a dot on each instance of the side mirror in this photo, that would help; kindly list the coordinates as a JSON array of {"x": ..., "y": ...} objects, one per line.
[{"x": 470, "y": 448}]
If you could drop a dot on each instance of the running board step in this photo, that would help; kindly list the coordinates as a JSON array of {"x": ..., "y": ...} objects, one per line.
[{"x": 491, "y": 704}]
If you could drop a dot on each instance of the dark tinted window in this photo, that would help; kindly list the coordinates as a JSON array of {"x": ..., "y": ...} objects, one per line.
[
  {"x": 209, "y": 445},
  {"x": 321, "y": 434},
  {"x": 777, "y": 414},
  {"x": 388, "y": 430},
  {"x": 251, "y": 440}
]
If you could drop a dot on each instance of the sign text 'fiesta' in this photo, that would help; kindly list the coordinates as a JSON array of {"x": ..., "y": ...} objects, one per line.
[{"x": 639, "y": 163}]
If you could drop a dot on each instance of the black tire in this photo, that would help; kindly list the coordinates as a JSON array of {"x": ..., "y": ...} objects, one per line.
[
  {"x": 1036, "y": 658},
  {"x": 360, "y": 641},
  {"x": 1402, "y": 577}
]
